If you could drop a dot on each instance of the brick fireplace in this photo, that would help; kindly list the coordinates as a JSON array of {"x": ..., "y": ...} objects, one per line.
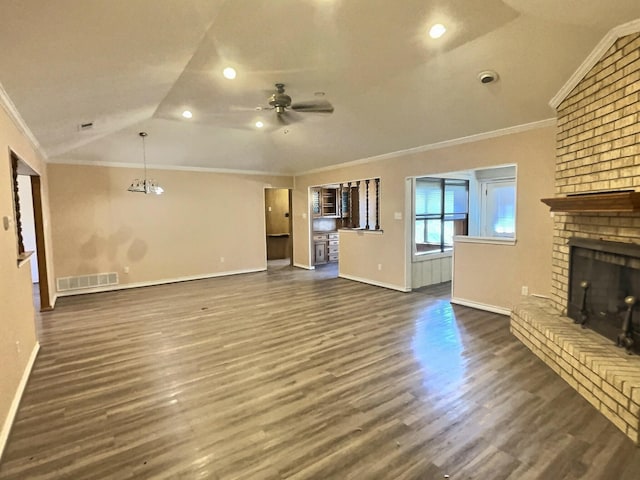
[
  {"x": 598, "y": 150},
  {"x": 604, "y": 279}
]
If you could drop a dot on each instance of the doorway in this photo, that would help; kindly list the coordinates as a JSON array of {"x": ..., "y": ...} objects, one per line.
[
  {"x": 28, "y": 194},
  {"x": 278, "y": 227},
  {"x": 27, "y": 222}
]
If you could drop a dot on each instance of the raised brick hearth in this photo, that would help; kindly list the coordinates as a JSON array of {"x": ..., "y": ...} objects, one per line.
[{"x": 602, "y": 373}]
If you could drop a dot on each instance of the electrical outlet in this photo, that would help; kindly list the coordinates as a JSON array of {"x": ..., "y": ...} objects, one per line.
[
  {"x": 18, "y": 346},
  {"x": 221, "y": 259},
  {"x": 379, "y": 266},
  {"x": 525, "y": 290},
  {"x": 126, "y": 269}
]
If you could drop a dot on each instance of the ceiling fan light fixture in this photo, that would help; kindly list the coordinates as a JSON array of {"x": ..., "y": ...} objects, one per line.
[
  {"x": 145, "y": 185},
  {"x": 229, "y": 73},
  {"x": 259, "y": 124},
  {"x": 437, "y": 30},
  {"x": 281, "y": 103}
]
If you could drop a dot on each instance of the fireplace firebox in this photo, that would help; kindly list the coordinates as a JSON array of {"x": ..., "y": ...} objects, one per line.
[{"x": 604, "y": 289}]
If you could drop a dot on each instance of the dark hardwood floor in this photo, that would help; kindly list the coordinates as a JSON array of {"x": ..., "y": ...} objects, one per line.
[{"x": 297, "y": 374}]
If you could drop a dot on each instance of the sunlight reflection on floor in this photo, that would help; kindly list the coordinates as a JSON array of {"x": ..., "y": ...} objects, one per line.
[{"x": 437, "y": 345}]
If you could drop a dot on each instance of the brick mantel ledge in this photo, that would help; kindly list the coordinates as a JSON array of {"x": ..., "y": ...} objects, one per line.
[{"x": 605, "y": 375}]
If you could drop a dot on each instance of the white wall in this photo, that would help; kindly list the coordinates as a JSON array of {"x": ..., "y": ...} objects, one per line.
[{"x": 430, "y": 271}]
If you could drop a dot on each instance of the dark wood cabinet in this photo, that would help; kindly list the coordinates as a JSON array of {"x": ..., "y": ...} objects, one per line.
[
  {"x": 330, "y": 202},
  {"x": 344, "y": 202},
  {"x": 316, "y": 202},
  {"x": 325, "y": 246},
  {"x": 320, "y": 255},
  {"x": 333, "y": 246},
  {"x": 325, "y": 202}
]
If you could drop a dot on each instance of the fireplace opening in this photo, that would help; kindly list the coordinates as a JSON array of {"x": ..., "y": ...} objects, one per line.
[{"x": 604, "y": 289}]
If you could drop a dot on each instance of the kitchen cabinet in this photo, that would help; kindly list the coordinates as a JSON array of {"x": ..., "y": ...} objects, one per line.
[
  {"x": 330, "y": 202},
  {"x": 326, "y": 247},
  {"x": 316, "y": 202},
  {"x": 320, "y": 249},
  {"x": 344, "y": 202},
  {"x": 325, "y": 202},
  {"x": 333, "y": 247}
]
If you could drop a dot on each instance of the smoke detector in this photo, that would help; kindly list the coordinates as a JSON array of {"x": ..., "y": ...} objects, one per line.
[{"x": 488, "y": 76}]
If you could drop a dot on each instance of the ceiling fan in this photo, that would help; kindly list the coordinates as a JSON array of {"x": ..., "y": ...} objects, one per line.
[{"x": 281, "y": 103}]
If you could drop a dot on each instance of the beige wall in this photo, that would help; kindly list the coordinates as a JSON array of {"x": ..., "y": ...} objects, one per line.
[
  {"x": 17, "y": 326},
  {"x": 598, "y": 150},
  {"x": 486, "y": 274},
  {"x": 99, "y": 227}
]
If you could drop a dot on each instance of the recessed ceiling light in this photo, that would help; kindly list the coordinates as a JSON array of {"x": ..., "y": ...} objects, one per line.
[
  {"x": 259, "y": 124},
  {"x": 229, "y": 73},
  {"x": 437, "y": 30},
  {"x": 187, "y": 114}
]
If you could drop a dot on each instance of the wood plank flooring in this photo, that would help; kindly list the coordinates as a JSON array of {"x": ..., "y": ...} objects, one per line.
[{"x": 296, "y": 374}]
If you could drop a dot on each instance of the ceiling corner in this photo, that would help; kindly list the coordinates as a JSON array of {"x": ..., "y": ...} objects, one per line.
[
  {"x": 13, "y": 113},
  {"x": 594, "y": 57}
]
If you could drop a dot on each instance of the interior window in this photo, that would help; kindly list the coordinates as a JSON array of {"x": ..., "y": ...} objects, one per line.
[
  {"x": 478, "y": 203},
  {"x": 498, "y": 212},
  {"x": 441, "y": 212}
]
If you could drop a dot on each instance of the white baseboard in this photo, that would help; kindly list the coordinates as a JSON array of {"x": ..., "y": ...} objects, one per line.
[
  {"x": 157, "y": 282},
  {"x": 481, "y": 306},
  {"x": 306, "y": 267},
  {"x": 13, "y": 409},
  {"x": 374, "y": 283}
]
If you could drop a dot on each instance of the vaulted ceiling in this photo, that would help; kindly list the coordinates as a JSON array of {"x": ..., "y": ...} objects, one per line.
[{"x": 135, "y": 65}]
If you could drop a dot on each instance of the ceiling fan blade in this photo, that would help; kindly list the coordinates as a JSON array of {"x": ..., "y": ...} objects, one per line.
[
  {"x": 321, "y": 106},
  {"x": 288, "y": 117},
  {"x": 241, "y": 108}
]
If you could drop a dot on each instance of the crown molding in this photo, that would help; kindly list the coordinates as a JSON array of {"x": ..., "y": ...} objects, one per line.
[
  {"x": 227, "y": 171},
  {"x": 594, "y": 57},
  {"x": 18, "y": 121},
  {"x": 549, "y": 122}
]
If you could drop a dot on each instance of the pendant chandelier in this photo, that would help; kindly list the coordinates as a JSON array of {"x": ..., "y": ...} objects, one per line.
[{"x": 145, "y": 186}]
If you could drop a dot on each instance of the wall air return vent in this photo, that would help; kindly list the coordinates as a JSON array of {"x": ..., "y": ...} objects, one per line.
[{"x": 83, "y": 282}]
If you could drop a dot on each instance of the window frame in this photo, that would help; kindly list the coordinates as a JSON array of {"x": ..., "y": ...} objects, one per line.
[
  {"x": 485, "y": 231},
  {"x": 443, "y": 249}
]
